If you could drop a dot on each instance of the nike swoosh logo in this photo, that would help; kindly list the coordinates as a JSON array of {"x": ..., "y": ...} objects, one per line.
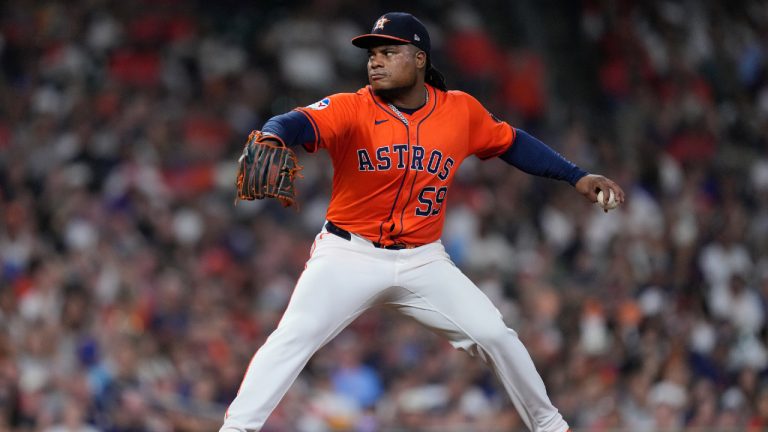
[{"x": 378, "y": 122}]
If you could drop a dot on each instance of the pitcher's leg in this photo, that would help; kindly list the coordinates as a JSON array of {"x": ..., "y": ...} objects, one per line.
[
  {"x": 442, "y": 298},
  {"x": 333, "y": 290}
]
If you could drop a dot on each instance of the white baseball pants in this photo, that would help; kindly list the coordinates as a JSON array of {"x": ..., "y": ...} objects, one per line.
[{"x": 342, "y": 279}]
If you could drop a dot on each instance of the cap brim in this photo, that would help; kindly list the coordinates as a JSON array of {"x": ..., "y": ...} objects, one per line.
[{"x": 371, "y": 40}]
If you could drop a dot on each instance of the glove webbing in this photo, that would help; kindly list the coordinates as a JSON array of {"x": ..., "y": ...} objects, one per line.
[{"x": 273, "y": 167}]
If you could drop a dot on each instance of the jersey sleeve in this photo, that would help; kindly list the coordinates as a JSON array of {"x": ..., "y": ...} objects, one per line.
[
  {"x": 488, "y": 136},
  {"x": 331, "y": 118}
]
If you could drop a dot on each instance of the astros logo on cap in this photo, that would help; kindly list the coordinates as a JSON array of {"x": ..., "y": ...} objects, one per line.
[{"x": 380, "y": 23}]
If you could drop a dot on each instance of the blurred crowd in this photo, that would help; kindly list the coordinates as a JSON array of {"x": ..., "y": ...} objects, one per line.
[{"x": 133, "y": 293}]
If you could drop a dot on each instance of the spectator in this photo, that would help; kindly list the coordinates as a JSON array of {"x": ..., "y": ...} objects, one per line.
[{"x": 132, "y": 293}]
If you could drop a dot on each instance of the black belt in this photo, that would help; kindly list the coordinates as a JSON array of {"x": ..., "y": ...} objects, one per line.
[{"x": 346, "y": 235}]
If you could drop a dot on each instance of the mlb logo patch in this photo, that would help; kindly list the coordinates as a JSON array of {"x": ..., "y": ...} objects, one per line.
[{"x": 320, "y": 105}]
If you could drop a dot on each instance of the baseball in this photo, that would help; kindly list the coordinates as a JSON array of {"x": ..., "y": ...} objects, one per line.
[{"x": 612, "y": 204}]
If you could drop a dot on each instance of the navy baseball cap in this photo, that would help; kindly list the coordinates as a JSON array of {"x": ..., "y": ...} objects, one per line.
[{"x": 395, "y": 28}]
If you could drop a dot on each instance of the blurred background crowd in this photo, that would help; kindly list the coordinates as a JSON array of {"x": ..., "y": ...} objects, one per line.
[{"x": 133, "y": 293}]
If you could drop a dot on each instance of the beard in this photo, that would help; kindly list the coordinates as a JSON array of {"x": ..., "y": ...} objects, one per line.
[{"x": 393, "y": 93}]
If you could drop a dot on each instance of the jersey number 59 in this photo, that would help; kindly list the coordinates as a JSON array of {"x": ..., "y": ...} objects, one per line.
[{"x": 432, "y": 199}]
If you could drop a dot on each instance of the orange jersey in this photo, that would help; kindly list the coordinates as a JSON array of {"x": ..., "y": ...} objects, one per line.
[{"x": 391, "y": 177}]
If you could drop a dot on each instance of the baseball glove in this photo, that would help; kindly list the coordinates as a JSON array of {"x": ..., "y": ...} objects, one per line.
[{"x": 267, "y": 169}]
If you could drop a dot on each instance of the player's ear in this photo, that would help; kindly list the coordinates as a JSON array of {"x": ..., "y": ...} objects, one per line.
[{"x": 421, "y": 59}]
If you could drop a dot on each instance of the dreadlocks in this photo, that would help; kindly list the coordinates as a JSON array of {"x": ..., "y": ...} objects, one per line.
[{"x": 434, "y": 78}]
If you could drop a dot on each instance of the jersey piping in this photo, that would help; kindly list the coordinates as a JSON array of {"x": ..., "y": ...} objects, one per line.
[
  {"x": 405, "y": 173},
  {"x": 413, "y": 183}
]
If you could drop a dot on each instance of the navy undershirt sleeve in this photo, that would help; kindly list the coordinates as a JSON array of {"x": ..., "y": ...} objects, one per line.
[
  {"x": 292, "y": 127},
  {"x": 534, "y": 157}
]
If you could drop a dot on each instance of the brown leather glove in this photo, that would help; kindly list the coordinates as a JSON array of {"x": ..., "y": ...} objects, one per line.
[{"x": 267, "y": 169}]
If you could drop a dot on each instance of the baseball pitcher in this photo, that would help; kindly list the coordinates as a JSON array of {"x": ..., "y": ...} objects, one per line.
[{"x": 395, "y": 146}]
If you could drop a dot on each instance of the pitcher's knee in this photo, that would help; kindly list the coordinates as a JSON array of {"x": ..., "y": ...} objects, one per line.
[
  {"x": 495, "y": 334},
  {"x": 305, "y": 331}
]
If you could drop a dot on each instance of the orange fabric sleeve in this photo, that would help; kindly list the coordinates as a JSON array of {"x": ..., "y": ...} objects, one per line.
[
  {"x": 331, "y": 118},
  {"x": 488, "y": 136}
]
